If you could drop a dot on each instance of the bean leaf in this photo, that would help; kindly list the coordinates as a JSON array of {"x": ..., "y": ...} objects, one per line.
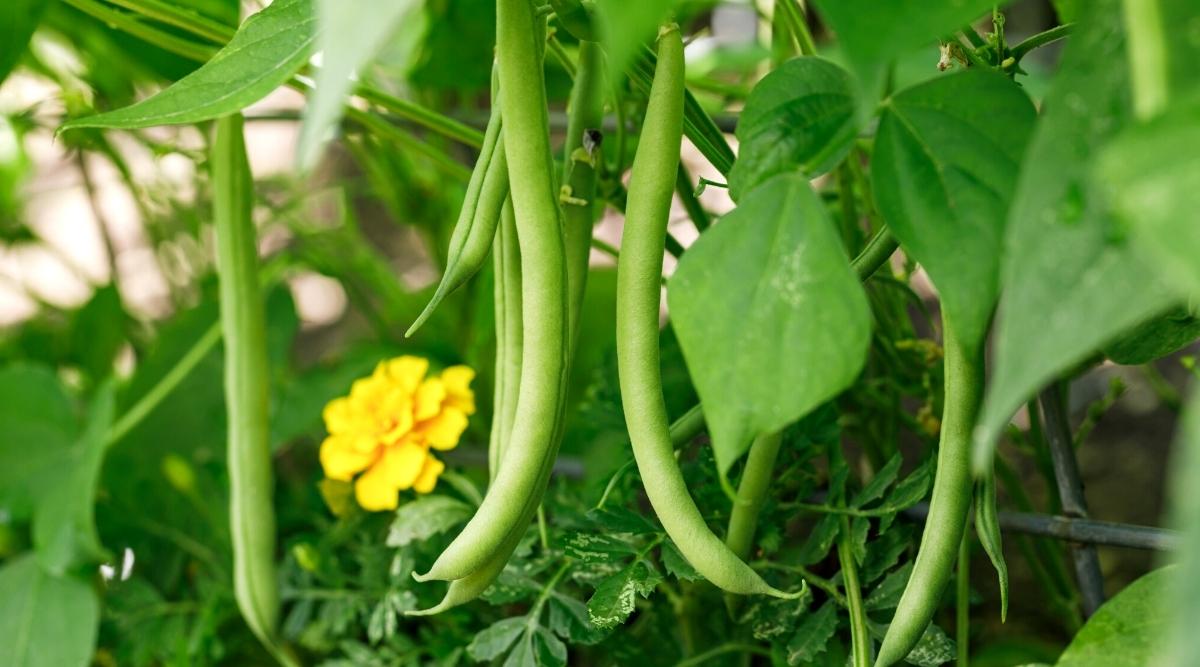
[
  {"x": 771, "y": 319},
  {"x": 46, "y": 620},
  {"x": 1071, "y": 282},
  {"x": 18, "y": 20},
  {"x": 813, "y": 635},
  {"x": 944, "y": 172},
  {"x": 495, "y": 639},
  {"x": 425, "y": 517},
  {"x": 1126, "y": 630},
  {"x": 800, "y": 117},
  {"x": 264, "y": 53},
  {"x": 616, "y": 596}
]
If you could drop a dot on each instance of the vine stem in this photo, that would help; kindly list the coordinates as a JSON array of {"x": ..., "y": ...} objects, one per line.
[
  {"x": 962, "y": 625},
  {"x": 731, "y": 647},
  {"x": 1039, "y": 40},
  {"x": 860, "y": 638}
]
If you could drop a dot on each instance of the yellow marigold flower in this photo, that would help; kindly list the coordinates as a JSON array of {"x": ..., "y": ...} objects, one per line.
[{"x": 380, "y": 435}]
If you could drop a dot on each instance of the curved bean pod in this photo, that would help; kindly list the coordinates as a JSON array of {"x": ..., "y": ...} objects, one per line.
[
  {"x": 520, "y": 480},
  {"x": 507, "y": 298},
  {"x": 639, "y": 271},
  {"x": 948, "y": 507}
]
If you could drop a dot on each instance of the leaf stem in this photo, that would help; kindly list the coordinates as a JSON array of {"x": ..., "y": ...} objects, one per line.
[
  {"x": 860, "y": 638},
  {"x": 1041, "y": 39},
  {"x": 962, "y": 628},
  {"x": 729, "y": 647}
]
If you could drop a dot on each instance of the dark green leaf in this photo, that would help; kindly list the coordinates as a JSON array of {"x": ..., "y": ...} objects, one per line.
[
  {"x": 523, "y": 654},
  {"x": 879, "y": 483},
  {"x": 813, "y": 634},
  {"x": 1127, "y": 630},
  {"x": 1070, "y": 281},
  {"x": 934, "y": 648},
  {"x": 46, "y": 621},
  {"x": 266, "y": 51},
  {"x": 64, "y": 525},
  {"x": 873, "y": 33},
  {"x": 97, "y": 332},
  {"x": 676, "y": 565},
  {"x": 495, "y": 639},
  {"x": 598, "y": 547},
  {"x": 549, "y": 650},
  {"x": 771, "y": 618},
  {"x": 887, "y": 594},
  {"x": 425, "y": 517},
  {"x": 884, "y": 552},
  {"x": 800, "y": 117},
  {"x": 820, "y": 540},
  {"x": 771, "y": 319},
  {"x": 569, "y": 618},
  {"x": 616, "y": 519},
  {"x": 40, "y": 427},
  {"x": 18, "y": 20},
  {"x": 943, "y": 174},
  {"x": 616, "y": 596},
  {"x": 1155, "y": 338}
]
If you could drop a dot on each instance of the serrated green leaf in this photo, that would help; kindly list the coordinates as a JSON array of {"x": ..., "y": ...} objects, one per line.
[
  {"x": 771, "y": 618},
  {"x": 64, "y": 522},
  {"x": 820, "y": 540},
  {"x": 621, "y": 520},
  {"x": 615, "y": 597},
  {"x": 800, "y": 117},
  {"x": 771, "y": 319},
  {"x": 873, "y": 33},
  {"x": 266, "y": 51},
  {"x": 569, "y": 618},
  {"x": 943, "y": 173},
  {"x": 1127, "y": 630},
  {"x": 523, "y": 654},
  {"x": 884, "y": 552},
  {"x": 497, "y": 638},
  {"x": 676, "y": 565},
  {"x": 549, "y": 650},
  {"x": 887, "y": 594},
  {"x": 46, "y": 620},
  {"x": 813, "y": 635},
  {"x": 1071, "y": 282},
  {"x": 598, "y": 547},
  {"x": 425, "y": 517},
  {"x": 350, "y": 34},
  {"x": 934, "y": 648},
  {"x": 879, "y": 483}
]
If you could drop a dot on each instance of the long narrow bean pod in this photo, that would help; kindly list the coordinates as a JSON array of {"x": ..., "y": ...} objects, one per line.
[
  {"x": 475, "y": 229},
  {"x": 251, "y": 515},
  {"x": 578, "y": 193},
  {"x": 521, "y": 479},
  {"x": 948, "y": 507},
  {"x": 639, "y": 271},
  {"x": 507, "y": 297}
]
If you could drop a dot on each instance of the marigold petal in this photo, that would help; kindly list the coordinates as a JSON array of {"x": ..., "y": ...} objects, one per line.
[
  {"x": 458, "y": 388},
  {"x": 338, "y": 415},
  {"x": 341, "y": 461},
  {"x": 429, "y": 399},
  {"x": 402, "y": 463},
  {"x": 429, "y": 475},
  {"x": 407, "y": 371},
  {"x": 363, "y": 442},
  {"x": 444, "y": 430},
  {"x": 375, "y": 492}
]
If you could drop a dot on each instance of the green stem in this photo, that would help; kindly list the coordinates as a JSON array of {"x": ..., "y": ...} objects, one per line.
[
  {"x": 691, "y": 204},
  {"x": 423, "y": 116},
  {"x": 808, "y": 576},
  {"x": 798, "y": 25},
  {"x": 1039, "y": 40},
  {"x": 731, "y": 647},
  {"x": 875, "y": 254},
  {"x": 180, "y": 17},
  {"x": 150, "y": 400},
  {"x": 860, "y": 638},
  {"x": 386, "y": 130},
  {"x": 127, "y": 23},
  {"x": 1149, "y": 61},
  {"x": 962, "y": 628},
  {"x": 752, "y": 492}
]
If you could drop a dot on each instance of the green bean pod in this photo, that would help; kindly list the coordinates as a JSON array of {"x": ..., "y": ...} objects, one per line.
[
  {"x": 521, "y": 480},
  {"x": 577, "y": 196},
  {"x": 639, "y": 272},
  {"x": 507, "y": 299},
  {"x": 949, "y": 505},
  {"x": 471, "y": 240},
  {"x": 251, "y": 515}
]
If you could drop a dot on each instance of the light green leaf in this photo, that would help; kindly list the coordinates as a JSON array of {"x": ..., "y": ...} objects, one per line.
[
  {"x": 350, "y": 34},
  {"x": 495, "y": 639},
  {"x": 1151, "y": 174},
  {"x": 800, "y": 117},
  {"x": 549, "y": 650},
  {"x": 264, "y": 53},
  {"x": 18, "y": 20},
  {"x": 1127, "y": 630},
  {"x": 771, "y": 319},
  {"x": 39, "y": 426},
  {"x": 934, "y": 648},
  {"x": 1071, "y": 283},
  {"x": 616, "y": 596},
  {"x": 943, "y": 173},
  {"x": 523, "y": 655},
  {"x": 813, "y": 635},
  {"x": 64, "y": 522},
  {"x": 46, "y": 621},
  {"x": 425, "y": 517},
  {"x": 872, "y": 33},
  {"x": 598, "y": 547}
]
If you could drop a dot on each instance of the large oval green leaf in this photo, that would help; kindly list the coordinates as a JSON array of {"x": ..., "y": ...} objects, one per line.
[
  {"x": 944, "y": 171},
  {"x": 264, "y": 53},
  {"x": 771, "y": 319},
  {"x": 46, "y": 621},
  {"x": 1127, "y": 630},
  {"x": 1071, "y": 282},
  {"x": 18, "y": 20},
  {"x": 800, "y": 117}
]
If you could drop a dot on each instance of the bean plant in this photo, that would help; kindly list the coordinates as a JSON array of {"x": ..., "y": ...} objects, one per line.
[{"x": 732, "y": 355}]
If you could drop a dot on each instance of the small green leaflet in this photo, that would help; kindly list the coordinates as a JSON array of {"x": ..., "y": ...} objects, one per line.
[
  {"x": 264, "y": 53},
  {"x": 493, "y": 641},
  {"x": 46, "y": 621},
  {"x": 813, "y": 635},
  {"x": 935, "y": 648},
  {"x": 1127, "y": 630},
  {"x": 800, "y": 117},
  {"x": 1156, "y": 338},
  {"x": 350, "y": 33},
  {"x": 617, "y": 595},
  {"x": 425, "y": 517},
  {"x": 872, "y": 33},
  {"x": 887, "y": 594},
  {"x": 943, "y": 174},
  {"x": 771, "y": 319},
  {"x": 1071, "y": 282}
]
